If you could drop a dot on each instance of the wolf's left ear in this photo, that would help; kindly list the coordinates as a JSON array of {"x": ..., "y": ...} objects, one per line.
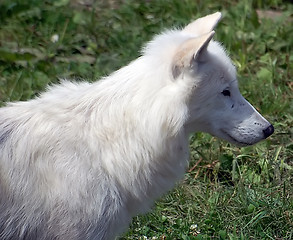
[
  {"x": 203, "y": 25},
  {"x": 191, "y": 50}
]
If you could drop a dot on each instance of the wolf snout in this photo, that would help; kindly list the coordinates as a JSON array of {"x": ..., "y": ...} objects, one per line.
[{"x": 268, "y": 131}]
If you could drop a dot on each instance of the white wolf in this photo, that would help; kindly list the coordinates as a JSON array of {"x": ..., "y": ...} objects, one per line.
[{"x": 82, "y": 159}]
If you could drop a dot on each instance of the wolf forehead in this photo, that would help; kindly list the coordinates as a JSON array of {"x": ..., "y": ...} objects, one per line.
[{"x": 163, "y": 48}]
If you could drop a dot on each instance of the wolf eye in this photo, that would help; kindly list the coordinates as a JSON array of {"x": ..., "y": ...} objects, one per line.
[{"x": 226, "y": 93}]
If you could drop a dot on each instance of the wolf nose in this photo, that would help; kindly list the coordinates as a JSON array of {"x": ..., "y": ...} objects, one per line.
[{"x": 268, "y": 131}]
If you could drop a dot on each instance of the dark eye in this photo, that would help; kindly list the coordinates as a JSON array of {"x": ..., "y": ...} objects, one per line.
[{"x": 226, "y": 93}]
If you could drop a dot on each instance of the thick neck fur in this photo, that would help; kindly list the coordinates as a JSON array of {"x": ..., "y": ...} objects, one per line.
[{"x": 150, "y": 114}]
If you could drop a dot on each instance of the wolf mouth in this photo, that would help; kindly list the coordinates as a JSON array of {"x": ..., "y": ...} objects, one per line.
[{"x": 235, "y": 141}]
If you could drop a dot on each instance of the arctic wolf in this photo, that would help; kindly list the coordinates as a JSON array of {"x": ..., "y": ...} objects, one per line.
[{"x": 82, "y": 159}]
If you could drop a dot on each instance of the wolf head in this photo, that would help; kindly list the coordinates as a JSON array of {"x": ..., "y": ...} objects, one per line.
[{"x": 215, "y": 104}]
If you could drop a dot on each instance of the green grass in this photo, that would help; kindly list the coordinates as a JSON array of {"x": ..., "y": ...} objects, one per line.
[{"x": 228, "y": 193}]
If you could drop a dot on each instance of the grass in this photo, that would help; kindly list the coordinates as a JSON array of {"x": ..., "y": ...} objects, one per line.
[{"x": 228, "y": 193}]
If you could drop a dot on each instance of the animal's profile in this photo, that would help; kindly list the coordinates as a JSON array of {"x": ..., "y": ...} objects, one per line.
[{"x": 82, "y": 159}]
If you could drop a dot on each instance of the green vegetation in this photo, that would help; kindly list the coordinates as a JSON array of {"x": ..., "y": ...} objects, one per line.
[{"x": 228, "y": 193}]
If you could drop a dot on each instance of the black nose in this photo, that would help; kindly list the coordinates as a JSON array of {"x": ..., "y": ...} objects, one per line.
[{"x": 268, "y": 131}]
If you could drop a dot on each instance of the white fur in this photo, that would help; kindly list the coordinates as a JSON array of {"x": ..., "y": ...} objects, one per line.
[{"x": 82, "y": 159}]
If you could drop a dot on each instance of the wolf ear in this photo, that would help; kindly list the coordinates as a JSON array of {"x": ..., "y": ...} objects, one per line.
[
  {"x": 190, "y": 51},
  {"x": 203, "y": 25}
]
